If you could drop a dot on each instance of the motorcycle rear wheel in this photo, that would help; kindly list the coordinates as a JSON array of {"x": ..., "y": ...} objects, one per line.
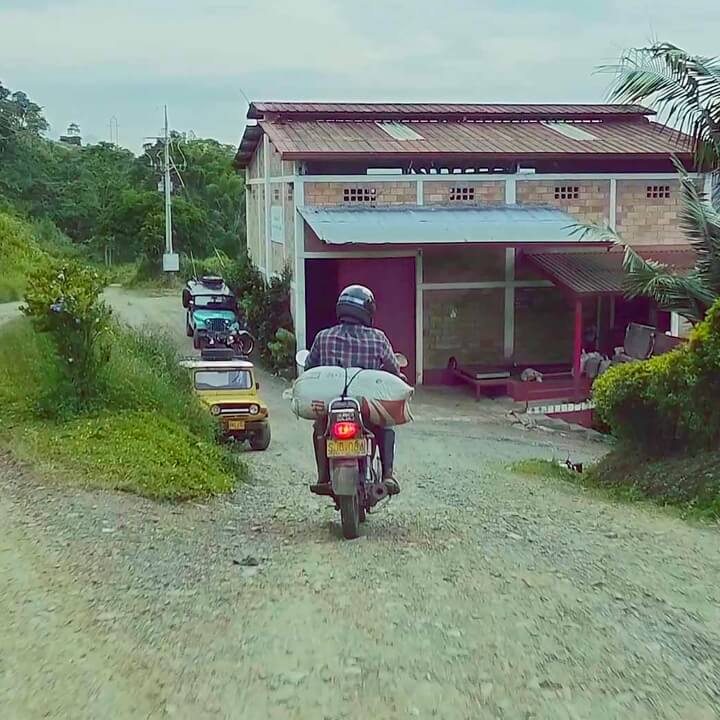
[{"x": 350, "y": 515}]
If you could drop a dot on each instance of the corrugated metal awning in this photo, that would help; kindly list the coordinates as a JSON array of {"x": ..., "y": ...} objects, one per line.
[
  {"x": 601, "y": 272},
  {"x": 427, "y": 226}
]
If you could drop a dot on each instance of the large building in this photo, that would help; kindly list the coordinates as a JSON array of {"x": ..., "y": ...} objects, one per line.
[{"x": 460, "y": 218}]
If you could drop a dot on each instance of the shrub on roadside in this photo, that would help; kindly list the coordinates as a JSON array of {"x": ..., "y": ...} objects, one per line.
[
  {"x": 282, "y": 351},
  {"x": 63, "y": 299},
  {"x": 668, "y": 403},
  {"x": 19, "y": 253},
  {"x": 146, "y": 432}
]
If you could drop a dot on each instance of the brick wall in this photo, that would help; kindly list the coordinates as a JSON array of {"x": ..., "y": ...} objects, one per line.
[
  {"x": 465, "y": 324},
  {"x": 385, "y": 194},
  {"x": 643, "y": 220},
  {"x": 463, "y": 264},
  {"x": 456, "y": 192},
  {"x": 544, "y": 327},
  {"x": 586, "y": 201}
]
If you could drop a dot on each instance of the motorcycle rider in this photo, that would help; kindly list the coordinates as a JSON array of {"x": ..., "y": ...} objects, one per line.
[{"x": 354, "y": 342}]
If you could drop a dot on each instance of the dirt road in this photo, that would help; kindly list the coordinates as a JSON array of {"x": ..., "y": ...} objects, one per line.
[{"x": 477, "y": 594}]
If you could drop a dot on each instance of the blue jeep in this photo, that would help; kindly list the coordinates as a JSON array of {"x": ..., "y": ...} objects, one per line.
[{"x": 212, "y": 317}]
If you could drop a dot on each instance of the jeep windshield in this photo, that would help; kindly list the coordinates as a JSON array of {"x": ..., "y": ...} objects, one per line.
[
  {"x": 214, "y": 302},
  {"x": 223, "y": 380}
]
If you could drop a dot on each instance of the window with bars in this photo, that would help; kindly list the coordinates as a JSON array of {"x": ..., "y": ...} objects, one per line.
[
  {"x": 658, "y": 191},
  {"x": 359, "y": 195},
  {"x": 567, "y": 192},
  {"x": 462, "y": 194}
]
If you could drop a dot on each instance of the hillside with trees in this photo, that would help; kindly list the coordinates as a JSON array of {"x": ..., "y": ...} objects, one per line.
[{"x": 103, "y": 201}]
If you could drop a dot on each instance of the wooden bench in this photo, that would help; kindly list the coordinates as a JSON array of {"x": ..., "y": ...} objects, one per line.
[{"x": 479, "y": 377}]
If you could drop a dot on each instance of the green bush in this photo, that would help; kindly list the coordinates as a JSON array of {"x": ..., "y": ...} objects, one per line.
[
  {"x": 63, "y": 300},
  {"x": 282, "y": 351},
  {"x": 668, "y": 403},
  {"x": 19, "y": 253},
  {"x": 146, "y": 432}
]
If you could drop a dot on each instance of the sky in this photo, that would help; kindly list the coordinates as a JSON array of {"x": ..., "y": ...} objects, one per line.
[{"x": 88, "y": 61}]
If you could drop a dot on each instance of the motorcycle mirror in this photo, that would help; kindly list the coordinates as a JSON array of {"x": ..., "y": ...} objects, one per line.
[
  {"x": 401, "y": 359},
  {"x": 301, "y": 357}
]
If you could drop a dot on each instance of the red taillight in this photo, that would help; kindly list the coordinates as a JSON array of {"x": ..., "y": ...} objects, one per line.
[{"x": 345, "y": 430}]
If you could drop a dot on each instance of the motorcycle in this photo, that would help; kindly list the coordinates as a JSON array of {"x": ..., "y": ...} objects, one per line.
[
  {"x": 220, "y": 333},
  {"x": 353, "y": 460}
]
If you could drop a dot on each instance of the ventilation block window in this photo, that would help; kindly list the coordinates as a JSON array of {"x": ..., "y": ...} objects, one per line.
[
  {"x": 276, "y": 194},
  {"x": 658, "y": 191},
  {"x": 290, "y": 192},
  {"x": 462, "y": 194},
  {"x": 359, "y": 195},
  {"x": 567, "y": 192}
]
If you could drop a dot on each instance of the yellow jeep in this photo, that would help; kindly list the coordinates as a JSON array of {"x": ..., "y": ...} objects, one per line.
[{"x": 229, "y": 390}]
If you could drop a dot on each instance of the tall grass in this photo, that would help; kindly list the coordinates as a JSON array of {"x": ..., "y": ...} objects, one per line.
[{"x": 146, "y": 431}]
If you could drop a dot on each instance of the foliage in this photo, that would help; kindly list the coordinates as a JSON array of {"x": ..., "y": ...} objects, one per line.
[
  {"x": 282, "y": 351},
  {"x": 691, "y": 484},
  {"x": 689, "y": 295},
  {"x": 106, "y": 200},
  {"x": 266, "y": 307},
  {"x": 684, "y": 87},
  {"x": 686, "y": 90},
  {"x": 139, "y": 452},
  {"x": 19, "y": 253},
  {"x": 668, "y": 403},
  {"x": 147, "y": 433},
  {"x": 63, "y": 300}
]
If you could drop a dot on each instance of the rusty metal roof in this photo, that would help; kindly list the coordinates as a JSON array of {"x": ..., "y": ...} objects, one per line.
[
  {"x": 304, "y": 139},
  {"x": 334, "y": 131},
  {"x": 601, "y": 272},
  {"x": 427, "y": 111}
]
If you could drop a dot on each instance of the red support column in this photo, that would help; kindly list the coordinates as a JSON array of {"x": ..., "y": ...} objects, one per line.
[{"x": 577, "y": 342}]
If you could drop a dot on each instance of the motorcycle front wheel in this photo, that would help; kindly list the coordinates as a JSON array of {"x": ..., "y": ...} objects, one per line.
[{"x": 350, "y": 515}]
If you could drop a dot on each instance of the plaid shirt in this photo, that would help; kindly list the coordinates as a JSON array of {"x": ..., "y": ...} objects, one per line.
[{"x": 348, "y": 345}]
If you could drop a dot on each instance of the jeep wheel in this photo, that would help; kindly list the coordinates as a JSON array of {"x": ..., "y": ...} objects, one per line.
[
  {"x": 260, "y": 439},
  {"x": 197, "y": 340},
  {"x": 188, "y": 330}
]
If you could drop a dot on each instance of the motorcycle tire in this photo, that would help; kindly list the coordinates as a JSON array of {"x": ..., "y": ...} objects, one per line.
[
  {"x": 350, "y": 516},
  {"x": 246, "y": 344}
]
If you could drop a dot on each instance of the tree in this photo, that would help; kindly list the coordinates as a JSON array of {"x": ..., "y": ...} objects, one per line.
[{"x": 686, "y": 90}]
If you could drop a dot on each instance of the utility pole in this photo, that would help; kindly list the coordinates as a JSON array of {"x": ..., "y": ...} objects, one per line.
[{"x": 171, "y": 260}]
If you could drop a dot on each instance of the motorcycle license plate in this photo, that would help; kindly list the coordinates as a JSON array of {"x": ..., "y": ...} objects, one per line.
[
  {"x": 236, "y": 424},
  {"x": 347, "y": 448}
]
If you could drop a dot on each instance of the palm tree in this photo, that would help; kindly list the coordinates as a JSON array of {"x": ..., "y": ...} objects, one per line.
[{"x": 685, "y": 89}]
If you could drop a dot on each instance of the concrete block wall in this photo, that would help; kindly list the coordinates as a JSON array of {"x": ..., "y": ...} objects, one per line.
[
  {"x": 588, "y": 201},
  {"x": 463, "y": 264},
  {"x": 450, "y": 193},
  {"x": 465, "y": 324},
  {"x": 643, "y": 220},
  {"x": 386, "y": 194}
]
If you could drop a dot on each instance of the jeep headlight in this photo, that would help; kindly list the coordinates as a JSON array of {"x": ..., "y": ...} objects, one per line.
[
  {"x": 215, "y": 409},
  {"x": 254, "y": 409}
]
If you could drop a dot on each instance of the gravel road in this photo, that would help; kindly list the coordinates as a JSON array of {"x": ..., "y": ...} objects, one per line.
[{"x": 476, "y": 594}]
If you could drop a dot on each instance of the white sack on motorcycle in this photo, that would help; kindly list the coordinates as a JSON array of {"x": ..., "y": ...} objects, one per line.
[{"x": 384, "y": 398}]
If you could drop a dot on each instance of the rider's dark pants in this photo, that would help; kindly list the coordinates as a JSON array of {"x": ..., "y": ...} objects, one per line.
[{"x": 385, "y": 438}]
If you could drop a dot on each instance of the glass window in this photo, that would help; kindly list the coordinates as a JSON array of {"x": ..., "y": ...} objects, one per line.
[
  {"x": 223, "y": 380},
  {"x": 214, "y": 302}
]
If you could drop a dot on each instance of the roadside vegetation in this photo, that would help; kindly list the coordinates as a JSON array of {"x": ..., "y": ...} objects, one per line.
[
  {"x": 101, "y": 404},
  {"x": 265, "y": 305}
]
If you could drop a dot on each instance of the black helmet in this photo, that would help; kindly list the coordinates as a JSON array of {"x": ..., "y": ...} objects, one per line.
[{"x": 356, "y": 303}]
